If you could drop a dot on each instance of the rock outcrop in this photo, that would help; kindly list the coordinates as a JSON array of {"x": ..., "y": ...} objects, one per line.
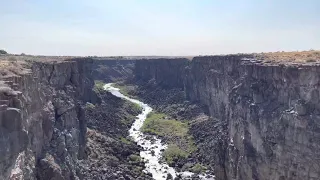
[
  {"x": 43, "y": 123},
  {"x": 44, "y": 117},
  {"x": 111, "y": 153},
  {"x": 264, "y": 116},
  {"x": 111, "y": 70},
  {"x": 168, "y": 73}
]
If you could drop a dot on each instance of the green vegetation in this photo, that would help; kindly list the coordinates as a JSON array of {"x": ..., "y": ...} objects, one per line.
[
  {"x": 175, "y": 132},
  {"x": 125, "y": 140},
  {"x": 98, "y": 86},
  {"x": 136, "y": 107},
  {"x": 198, "y": 168},
  {"x": 173, "y": 153},
  {"x": 132, "y": 109},
  {"x": 124, "y": 89},
  {"x": 134, "y": 158},
  {"x": 159, "y": 124}
]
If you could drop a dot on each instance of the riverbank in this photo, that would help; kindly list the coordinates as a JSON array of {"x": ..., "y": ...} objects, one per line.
[
  {"x": 111, "y": 154},
  {"x": 174, "y": 133},
  {"x": 173, "y": 128}
]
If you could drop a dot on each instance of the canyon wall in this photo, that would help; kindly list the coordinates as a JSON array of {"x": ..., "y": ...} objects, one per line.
[
  {"x": 42, "y": 121},
  {"x": 111, "y": 70},
  {"x": 168, "y": 73},
  {"x": 265, "y": 116}
]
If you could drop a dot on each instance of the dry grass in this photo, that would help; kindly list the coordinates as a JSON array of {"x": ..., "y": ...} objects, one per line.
[
  {"x": 296, "y": 56},
  {"x": 277, "y": 57},
  {"x": 12, "y": 68},
  {"x": 13, "y": 65},
  {"x": 34, "y": 58}
]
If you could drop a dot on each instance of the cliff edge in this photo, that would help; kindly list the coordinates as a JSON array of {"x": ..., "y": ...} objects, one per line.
[
  {"x": 263, "y": 113},
  {"x": 42, "y": 120}
]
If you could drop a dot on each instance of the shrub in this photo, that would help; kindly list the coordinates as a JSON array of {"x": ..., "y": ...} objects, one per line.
[
  {"x": 125, "y": 140},
  {"x": 134, "y": 158},
  {"x": 12, "y": 59},
  {"x": 173, "y": 153},
  {"x": 181, "y": 144},
  {"x": 136, "y": 107},
  {"x": 198, "y": 168},
  {"x": 125, "y": 90},
  {"x": 159, "y": 124},
  {"x": 310, "y": 60},
  {"x": 3, "y": 51},
  {"x": 98, "y": 86}
]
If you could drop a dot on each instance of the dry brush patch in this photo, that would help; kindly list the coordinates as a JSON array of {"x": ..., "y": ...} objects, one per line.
[
  {"x": 295, "y": 56},
  {"x": 12, "y": 67}
]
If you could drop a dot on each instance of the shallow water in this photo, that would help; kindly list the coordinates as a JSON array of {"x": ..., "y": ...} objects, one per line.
[{"x": 149, "y": 143}]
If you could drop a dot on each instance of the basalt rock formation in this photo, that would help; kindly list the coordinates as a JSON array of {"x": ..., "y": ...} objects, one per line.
[
  {"x": 44, "y": 115},
  {"x": 261, "y": 118},
  {"x": 110, "y": 154},
  {"x": 43, "y": 123},
  {"x": 112, "y": 70}
]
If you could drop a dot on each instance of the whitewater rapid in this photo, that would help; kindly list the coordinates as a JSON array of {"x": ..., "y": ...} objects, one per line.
[{"x": 152, "y": 146}]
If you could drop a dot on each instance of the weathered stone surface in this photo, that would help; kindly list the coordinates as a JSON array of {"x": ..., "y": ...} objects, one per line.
[
  {"x": 108, "y": 149},
  {"x": 168, "y": 73},
  {"x": 264, "y": 121},
  {"x": 43, "y": 124},
  {"x": 263, "y": 124},
  {"x": 113, "y": 70},
  {"x": 269, "y": 140},
  {"x": 49, "y": 168},
  {"x": 43, "y": 118}
]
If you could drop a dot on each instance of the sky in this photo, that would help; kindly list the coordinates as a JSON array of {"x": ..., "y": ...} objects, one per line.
[{"x": 158, "y": 27}]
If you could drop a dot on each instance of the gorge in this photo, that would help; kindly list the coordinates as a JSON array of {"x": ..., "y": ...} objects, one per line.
[{"x": 251, "y": 118}]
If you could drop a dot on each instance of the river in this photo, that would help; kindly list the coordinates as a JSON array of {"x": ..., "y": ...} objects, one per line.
[{"x": 152, "y": 146}]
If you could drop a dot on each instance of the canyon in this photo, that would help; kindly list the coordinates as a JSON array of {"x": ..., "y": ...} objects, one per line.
[{"x": 251, "y": 118}]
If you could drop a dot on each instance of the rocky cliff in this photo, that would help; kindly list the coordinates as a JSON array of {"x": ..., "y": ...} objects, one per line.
[
  {"x": 111, "y": 70},
  {"x": 42, "y": 121},
  {"x": 264, "y": 116},
  {"x": 168, "y": 73}
]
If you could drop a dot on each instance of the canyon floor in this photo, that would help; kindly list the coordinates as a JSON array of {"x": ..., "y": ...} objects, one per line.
[{"x": 110, "y": 153}]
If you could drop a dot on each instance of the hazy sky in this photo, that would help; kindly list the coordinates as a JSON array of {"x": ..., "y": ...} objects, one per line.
[{"x": 158, "y": 27}]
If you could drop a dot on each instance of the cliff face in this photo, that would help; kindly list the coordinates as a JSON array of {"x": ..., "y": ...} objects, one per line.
[
  {"x": 167, "y": 73},
  {"x": 112, "y": 70},
  {"x": 265, "y": 117},
  {"x": 42, "y": 121}
]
